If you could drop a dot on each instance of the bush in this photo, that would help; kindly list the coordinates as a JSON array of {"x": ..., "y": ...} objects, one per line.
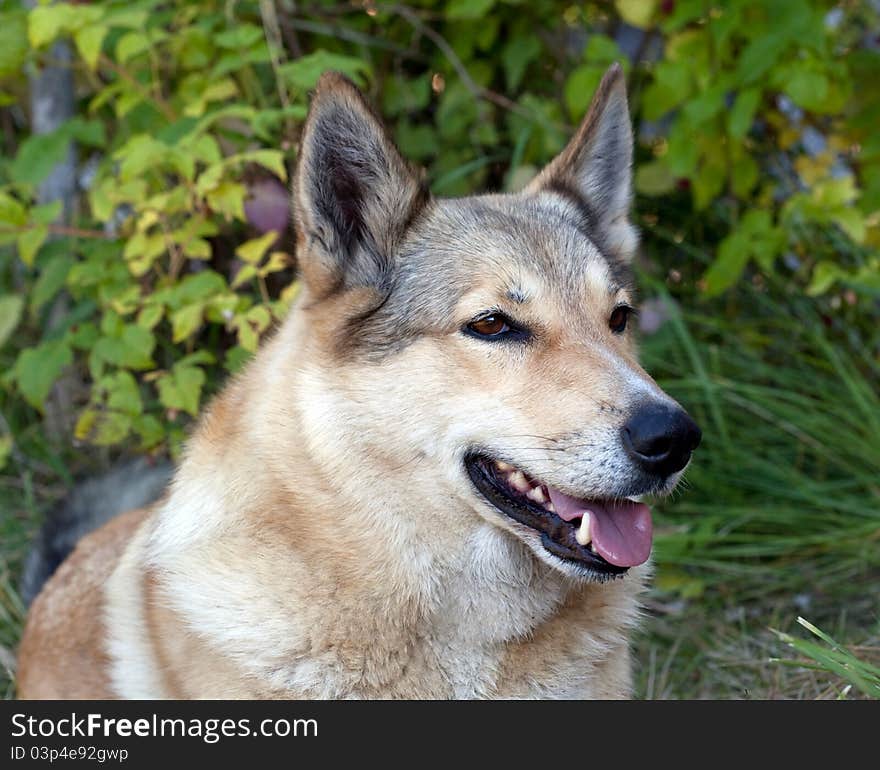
[{"x": 756, "y": 150}]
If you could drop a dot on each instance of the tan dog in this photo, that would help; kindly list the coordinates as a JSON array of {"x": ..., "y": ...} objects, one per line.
[{"x": 422, "y": 486}]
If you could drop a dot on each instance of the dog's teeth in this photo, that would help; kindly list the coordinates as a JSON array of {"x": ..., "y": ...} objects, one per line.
[
  {"x": 536, "y": 494},
  {"x": 518, "y": 481},
  {"x": 550, "y": 507},
  {"x": 502, "y": 466},
  {"x": 583, "y": 533}
]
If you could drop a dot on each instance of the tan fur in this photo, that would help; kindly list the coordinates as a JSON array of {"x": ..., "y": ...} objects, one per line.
[
  {"x": 62, "y": 653},
  {"x": 321, "y": 538}
]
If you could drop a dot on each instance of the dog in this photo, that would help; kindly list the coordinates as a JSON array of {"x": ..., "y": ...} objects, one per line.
[{"x": 427, "y": 482}]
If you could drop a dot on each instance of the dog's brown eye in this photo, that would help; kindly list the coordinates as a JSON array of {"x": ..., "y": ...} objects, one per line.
[
  {"x": 618, "y": 319},
  {"x": 490, "y": 325}
]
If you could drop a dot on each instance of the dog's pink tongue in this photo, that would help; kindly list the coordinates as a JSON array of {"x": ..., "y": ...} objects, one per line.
[{"x": 621, "y": 532}]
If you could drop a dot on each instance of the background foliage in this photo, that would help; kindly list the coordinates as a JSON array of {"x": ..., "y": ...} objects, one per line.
[{"x": 125, "y": 303}]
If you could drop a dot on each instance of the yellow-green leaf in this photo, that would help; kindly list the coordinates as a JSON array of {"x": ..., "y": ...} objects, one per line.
[
  {"x": 270, "y": 159},
  {"x": 227, "y": 198},
  {"x": 47, "y": 22},
  {"x": 150, "y": 315},
  {"x": 654, "y": 178},
  {"x": 89, "y": 40},
  {"x": 253, "y": 251},
  {"x": 186, "y": 321},
  {"x": 12, "y": 213},
  {"x": 639, "y": 13},
  {"x": 29, "y": 243},
  {"x": 5, "y": 449},
  {"x": 37, "y": 368},
  {"x": 244, "y": 275},
  {"x": 278, "y": 260},
  {"x": 11, "y": 306}
]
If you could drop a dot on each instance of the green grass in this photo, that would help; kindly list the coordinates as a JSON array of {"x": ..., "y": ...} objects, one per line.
[
  {"x": 780, "y": 513},
  {"x": 15, "y": 531},
  {"x": 778, "y": 520},
  {"x": 35, "y": 475},
  {"x": 831, "y": 656}
]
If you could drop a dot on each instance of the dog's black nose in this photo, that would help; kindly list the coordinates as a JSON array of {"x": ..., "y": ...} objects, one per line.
[{"x": 660, "y": 438}]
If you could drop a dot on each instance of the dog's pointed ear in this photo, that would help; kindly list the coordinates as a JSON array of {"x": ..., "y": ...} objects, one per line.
[
  {"x": 595, "y": 168},
  {"x": 353, "y": 194}
]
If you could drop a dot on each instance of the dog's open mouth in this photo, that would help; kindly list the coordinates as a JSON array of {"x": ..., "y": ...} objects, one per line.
[{"x": 606, "y": 536}]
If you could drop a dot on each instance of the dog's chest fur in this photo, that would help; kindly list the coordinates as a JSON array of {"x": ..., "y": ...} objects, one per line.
[{"x": 494, "y": 624}]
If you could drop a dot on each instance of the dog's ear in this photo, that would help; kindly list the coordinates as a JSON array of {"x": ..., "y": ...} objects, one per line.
[
  {"x": 595, "y": 168},
  {"x": 353, "y": 194}
]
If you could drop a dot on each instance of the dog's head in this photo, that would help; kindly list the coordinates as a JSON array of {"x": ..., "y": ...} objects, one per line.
[{"x": 487, "y": 340}]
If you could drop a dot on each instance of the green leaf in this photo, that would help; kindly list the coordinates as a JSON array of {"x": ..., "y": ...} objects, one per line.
[
  {"x": 84, "y": 336},
  {"x": 128, "y": 346},
  {"x": 705, "y": 106},
  {"x": 227, "y": 198},
  {"x": 733, "y": 254},
  {"x": 516, "y": 56},
  {"x": 182, "y": 388},
  {"x": 89, "y": 40},
  {"x": 673, "y": 83},
  {"x": 406, "y": 95},
  {"x": 201, "y": 286},
  {"x": 220, "y": 90},
  {"x": 825, "y": 275},
  {"x": 742, "y": 115},
  {"x": 807, "y": 88},
  {"x": 303, "y": 73},
  {"x": 744, "y": 175},
  {"x": 38, "y": 155},
  {"x": 47, "y": 22},
  {"x": 12, "y": 213},
  {"x": 834, "y": 193},
  {"x": 29, "y": 243},
  {"x": 708, "y": 182},
  {"x": 150, "y": 315},
  {"x": 46, "y": 213},
  {"x": 639, "y": 13},
  {"x": 198, "y": 357},
  {"x": 149, "y": 429},
  {"x": 240, "y": 36},
  {"x": 102, "y": 428},
  {"x": 244, "y": 275},
  {"x": 11, "y": 307},
  {"x": 37, "y": 369},
  {"x": 580, "y": 87},
  {"x": 236, "y": 358},
  {"x": 13, "y": 42},
  {"x": 852, "y": 222},
  {"x": 654, "y": 178},
  {"x": 760, "y": 55},
  {"x": 418, "y": 142},
  {"x": 139, "y": 154},
  {"x": 131, "y": 44},
  {"x": 254, "y": 250},
  {"x": 186, "y": 321},
  {"x": 50, "y": 280},
  {"x": 468, "y": 9},
  {"x": 601, "y": 49},
  {"x": 89, "y": 132},
  {"x": 5, "y": 449},
  {"x": 269, "y": 159},
  {"x": 123, "y": 393}
]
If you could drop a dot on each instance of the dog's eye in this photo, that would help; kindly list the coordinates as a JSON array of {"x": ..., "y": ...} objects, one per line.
[
  {"x": 490, "y": 326},
  {"x": 619, "y": 317},
  {"x": 495, "y": 326}
]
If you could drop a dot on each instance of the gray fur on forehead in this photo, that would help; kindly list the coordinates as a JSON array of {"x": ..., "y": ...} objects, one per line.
[
  {"x": 462, "y": 240},
  {"x": 456, "y": 244}
]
